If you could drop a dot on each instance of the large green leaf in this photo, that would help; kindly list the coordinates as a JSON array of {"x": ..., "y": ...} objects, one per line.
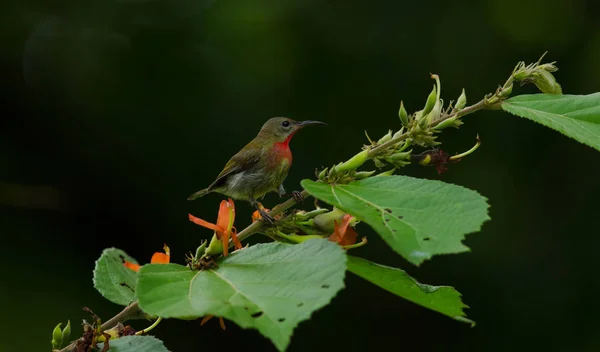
[
  {"x": 113, "y": 280},
  {"x": 417, "y": 218},
  {"x": 269, "y": 287},
  {"x": 135, "y": 344},
  {"x": 443, "y": 299},
  {"x": 577, "y": 116}
]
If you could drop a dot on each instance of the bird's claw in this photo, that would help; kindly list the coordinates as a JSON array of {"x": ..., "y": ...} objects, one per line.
[
  {"x": 297, "y": 196},
  {"x": 266, "y": 217}
]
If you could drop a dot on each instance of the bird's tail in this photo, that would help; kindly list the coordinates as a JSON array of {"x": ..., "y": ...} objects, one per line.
[{"x": 199, "y": 194}]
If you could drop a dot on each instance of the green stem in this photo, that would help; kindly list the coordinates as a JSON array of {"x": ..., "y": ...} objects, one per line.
[
  {"x": 356, "y": 245},
  {"x": 143, "y": 331}
]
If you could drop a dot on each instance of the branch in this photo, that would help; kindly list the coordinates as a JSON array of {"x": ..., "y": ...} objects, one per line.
[
  {"x": 128, "y": 312},
  {"x": 257, "y": 226}
]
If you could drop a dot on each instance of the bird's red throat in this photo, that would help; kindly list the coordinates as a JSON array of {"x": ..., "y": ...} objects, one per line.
[{"x": 283, "y": 148}]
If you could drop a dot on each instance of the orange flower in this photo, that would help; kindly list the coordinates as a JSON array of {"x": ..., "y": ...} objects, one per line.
[
  {"x": 157, "y": 258},
  {"x": 343, "y": 234},
  {"x": 224, "y": 227}
]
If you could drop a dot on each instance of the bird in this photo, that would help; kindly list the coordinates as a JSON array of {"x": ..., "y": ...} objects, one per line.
[{"x": 260, "y": 166}]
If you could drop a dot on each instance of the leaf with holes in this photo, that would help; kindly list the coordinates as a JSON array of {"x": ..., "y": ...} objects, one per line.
[
  {"x": 269, "y": 287},
  {"x": 576, "y": 116},
  {"x": 113, "y": 280},
  {"x": 417, "y": 218},
  {"x": 442, "y": 299},
  {"x": 134, "y": 344}
]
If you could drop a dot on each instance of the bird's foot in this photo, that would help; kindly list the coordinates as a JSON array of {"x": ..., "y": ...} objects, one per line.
[
  {"x": 266, "y": 217},
  {"x": 297, "y": 196}
]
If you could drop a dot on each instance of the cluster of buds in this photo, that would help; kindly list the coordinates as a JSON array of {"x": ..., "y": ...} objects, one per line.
[
  {"x": 420, "y": 128},
  {"x": 538, "y": 74},
  {"x": 60, "y": 336},
  {"x": 345, "y": 172}
]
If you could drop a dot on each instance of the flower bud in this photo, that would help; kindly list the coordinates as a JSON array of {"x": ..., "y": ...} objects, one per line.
[
  {"x": 548, "y": 67},
  {"x": 400, "y": 156},
  {"x": 436, "y": 112},
  {"x": 57, "y": 339},
  {"x": 66, "y": 333},
  {"x": 324, "y": 222},
  {"x": 363, "y": 174},
  {"x": 546, "y": 82},
  {"x": 355, "y": 162},
  {"x": 333, "y": 171},
  {"x": 461, "y": 101},
  {"x": 215, "y": 247},
  {"x": 386, "y": 173},
  {"x": 431, "y": 99},
  {"x": 451, "y": 122},
  {"x": 403, "y": 115},
  {"x": 378, "y": 163},
  {"x": 323, "y": 173},
  {"x": 505, "y": 92},
  {"x": 385, "y": 138},
  {"x": 200, "y": 250},
  {"x": 399, "y": 133}
]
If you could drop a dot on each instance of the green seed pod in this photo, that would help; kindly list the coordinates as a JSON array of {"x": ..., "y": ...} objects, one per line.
[
  {"x": 447, "y": 123},
  {"x": 355, "y": 162},
  {"x": 66, "y": 333},
  {"x": 386, "y": 173},
  {"x": 461, "y": 101},
  {"x": 401, "y": 163},
  {"x": 431, "y": 99},
  {"x": 363, "y": 174},
  {"x": 57, "y": 339},
  {"x": 403, "y": 114},
  {"x": 400, "y": 156}
]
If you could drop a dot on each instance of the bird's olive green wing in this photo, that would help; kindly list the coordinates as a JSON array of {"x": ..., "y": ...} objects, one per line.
[{"x": 245, "y": 159}]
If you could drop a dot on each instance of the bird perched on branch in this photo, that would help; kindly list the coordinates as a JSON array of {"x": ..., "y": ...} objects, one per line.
[{"x": 261, "y": 166}]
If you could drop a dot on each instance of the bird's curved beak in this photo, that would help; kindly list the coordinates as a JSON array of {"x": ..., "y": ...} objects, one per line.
[{"x": 309, "y": 122}]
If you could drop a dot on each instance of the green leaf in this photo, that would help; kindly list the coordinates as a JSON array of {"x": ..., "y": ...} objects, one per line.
[
  {"x": 443, "y": 299},
  {"x": 135, "y": 344},
  {"x": 269, "y": 287},
  {"x": 417, "y": 218},
  {"x": 576, "y": 116},
  {"x": 112, "y": 279}
]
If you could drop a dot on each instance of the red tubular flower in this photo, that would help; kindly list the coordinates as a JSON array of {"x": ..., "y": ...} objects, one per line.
[
  {"x": 343, "y": 234},
  {"x": 157, "y": 258},
  {"x": 224, "y": 227}
]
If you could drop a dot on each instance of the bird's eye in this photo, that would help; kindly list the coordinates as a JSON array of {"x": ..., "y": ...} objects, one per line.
[{"x": 285, "y": 123}]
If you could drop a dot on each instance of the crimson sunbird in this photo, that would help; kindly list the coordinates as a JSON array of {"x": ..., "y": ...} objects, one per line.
[{"x": 259, "y": 167}]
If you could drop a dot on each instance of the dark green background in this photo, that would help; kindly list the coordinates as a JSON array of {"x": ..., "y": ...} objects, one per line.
[{"x": 122, "y": 108}]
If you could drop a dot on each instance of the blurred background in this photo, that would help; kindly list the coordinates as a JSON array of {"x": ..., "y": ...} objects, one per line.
[{"x": 114, "y": 111}]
